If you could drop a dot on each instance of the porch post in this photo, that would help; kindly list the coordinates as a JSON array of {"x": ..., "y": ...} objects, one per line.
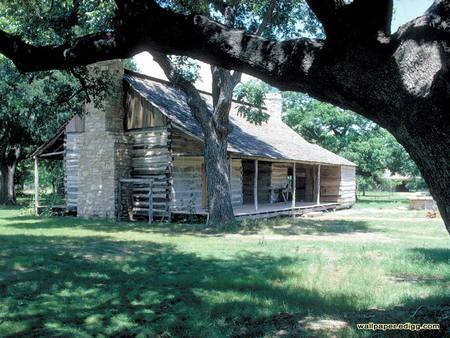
[
  {"x": 255, "y": 186},
  {"x": 318, "y": 184},
  {"x": 294, "y": 186},
  {"x": 230, "y": 169},
  {"x": 36, "y": 184}
]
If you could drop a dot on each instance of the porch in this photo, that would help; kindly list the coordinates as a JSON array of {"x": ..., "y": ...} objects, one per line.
[
  {"x": 268, "y": 210},
  {"x": 265, "y": 210}
]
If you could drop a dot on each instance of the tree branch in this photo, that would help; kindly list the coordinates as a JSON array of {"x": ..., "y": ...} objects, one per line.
[
  {"x": 198, "y": 106},
  {"x": 326, "y": 11},
  {"x": 360, "y": 18}
]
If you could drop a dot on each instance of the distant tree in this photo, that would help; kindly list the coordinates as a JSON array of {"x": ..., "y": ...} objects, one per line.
[
  {"x": 356, "y": 138},
  {"x": 32, "y": 108},
  {"x": 399, "y": 80}
]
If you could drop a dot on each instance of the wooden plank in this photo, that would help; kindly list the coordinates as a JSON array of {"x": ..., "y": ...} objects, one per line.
[
  {"x": 255, "y": 186},
  {"x": 318, "y": 185},
  {"x": 294, "y": 185}
]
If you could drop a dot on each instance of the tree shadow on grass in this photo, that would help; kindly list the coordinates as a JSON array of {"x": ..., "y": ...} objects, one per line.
[
  {"x": 86, "y": 286},
  {"x": 321, "y": 227},
  {"x": 279, "y": 226},
  {"x": 433, "y": 255},
  {"x": 66, "y": 286}
]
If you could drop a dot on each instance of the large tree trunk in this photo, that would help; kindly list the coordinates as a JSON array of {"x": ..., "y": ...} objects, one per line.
[
  {"x": 7, "y": 189},
  {"x": 218, "y": 179},
  {"x": 430, "y": 150},
  {"x": 392, "y": 79}
]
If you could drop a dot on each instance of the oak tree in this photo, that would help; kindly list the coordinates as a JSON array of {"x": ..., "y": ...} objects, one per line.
[{"x": 400, "y": 80}]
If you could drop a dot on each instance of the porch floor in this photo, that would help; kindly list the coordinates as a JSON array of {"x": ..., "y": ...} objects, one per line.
[
  {"x": 279, "y": 209},
  {"x": 266, "y": 210}
]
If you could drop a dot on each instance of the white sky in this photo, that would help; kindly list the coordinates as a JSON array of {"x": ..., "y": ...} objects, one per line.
[{"x": 405, "y": 10}]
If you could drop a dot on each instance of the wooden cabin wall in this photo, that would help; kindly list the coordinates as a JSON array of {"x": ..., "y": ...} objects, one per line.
[
  {"x": 236, "y": 183},
  {"x": 72, "y": 144},
  {"x": 188, "y": 184},
  {"x": 301, "y": 179},
  {"x": 279, "y": 175},
  {"x": 185, "y": 145},
  {"x": 347, "y": 188},
  {"x": 140, "y": 113},
  {"x": 264, "y": 178},
  {"x": 151, "y": 159},
  {"x": 330, "y": 178},
  {"x": 149, "y": 138}
]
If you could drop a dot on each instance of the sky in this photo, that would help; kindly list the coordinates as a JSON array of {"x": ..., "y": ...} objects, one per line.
[{"x": 405, "y": 10}]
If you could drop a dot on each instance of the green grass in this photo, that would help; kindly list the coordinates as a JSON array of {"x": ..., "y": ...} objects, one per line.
[
  {"x": 68, "y": 277},
  {"x": 382, "y": 199}
]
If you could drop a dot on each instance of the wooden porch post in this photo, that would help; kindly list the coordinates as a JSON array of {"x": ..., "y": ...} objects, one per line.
[
  {"x": 255, "y": 186},
  {"x": 230, "y": 169},
  {"x": 318, "y": 184},
  {"x": 36, "y": 184},
  {"x": 294, "y": 186}
]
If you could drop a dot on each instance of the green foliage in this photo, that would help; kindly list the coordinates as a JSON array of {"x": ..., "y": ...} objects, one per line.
[
  {"x": 33, "y": 106},
  {"x": 290, "y": 18},
  {"x": 49, "y": 21},
  {"x": 130, "y": 64},
  {"x": 187, "y": 68},
  {"x": 252, "y": 95},
  {"x": 354, "y": 137}
]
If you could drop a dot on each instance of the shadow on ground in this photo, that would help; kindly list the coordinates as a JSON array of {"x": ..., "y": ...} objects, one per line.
[
  {"x": 288, "y": 227},
  {"x": 61, "y": 286}
]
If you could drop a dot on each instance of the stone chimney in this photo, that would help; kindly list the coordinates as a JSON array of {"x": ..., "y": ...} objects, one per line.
[
  {"x": 104, "y": 151},
  {"x": 274, "y": 105}
]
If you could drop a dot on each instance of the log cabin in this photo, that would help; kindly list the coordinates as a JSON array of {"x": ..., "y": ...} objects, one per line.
[{"x": 140, "y": 156}]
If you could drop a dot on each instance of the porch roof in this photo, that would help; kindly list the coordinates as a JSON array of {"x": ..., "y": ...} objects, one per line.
[{"x": 272, "y": 140}]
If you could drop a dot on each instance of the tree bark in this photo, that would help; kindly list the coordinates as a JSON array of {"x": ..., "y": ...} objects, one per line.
[
  {"x": 7, "y": 189},
  {"x": 218, "y": 179},
  {"x": 400, "y": 81},
  {"x": 215, "y": 126},
  {"x": 430, "y": 150}
]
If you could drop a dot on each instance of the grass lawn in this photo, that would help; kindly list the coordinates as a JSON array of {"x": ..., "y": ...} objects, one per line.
[{"x": 284, "y": 277}]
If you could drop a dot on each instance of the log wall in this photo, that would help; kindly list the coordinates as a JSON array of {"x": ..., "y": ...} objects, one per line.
[
  {"x": 347, "y": 188},
  {"x": 185, "y": 145},
  {"x": 330, "y": 178},
  {"x": 187, "y": 184},
  {"x": 151, "y": 159},
  {"x": 72, "y": 144},
  {"x": 236, "y": 183},
  {"x": 264, "y": 178},
  {"x": 279, "y": 175}
]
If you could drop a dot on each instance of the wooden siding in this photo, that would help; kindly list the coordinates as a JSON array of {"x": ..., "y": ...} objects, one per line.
[
  {"x": 236, "y": 183},
  {"x": 337, "y": 184},
  {"x": 347, "y": 188},
  {"x": 140, "y": 113},
  {"x": 330, "y": 177},
  {"x": 279, "y": 178},
  {"x": 151, "y": 159},
  {"x": 185, "y": 145},
  {"x": 187, "y": 184},
  {"x": 264, "y": 176},
  {"x": 72, "y": 144}
]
